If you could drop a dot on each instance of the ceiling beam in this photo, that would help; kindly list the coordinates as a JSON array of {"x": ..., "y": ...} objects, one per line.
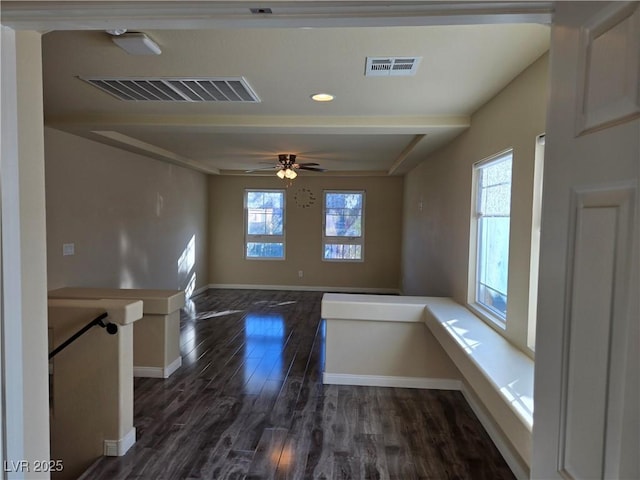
[
  {"x": 329, "y": 125},
  {"x": 405, "y": 153},
  {"x": 154, "y": 14}
]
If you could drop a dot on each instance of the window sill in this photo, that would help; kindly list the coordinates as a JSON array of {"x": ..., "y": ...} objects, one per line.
[
  {"x": 495, "y": 322},
  {"x": 271, "y": 259},
  {"x": 342, "y": 260}
]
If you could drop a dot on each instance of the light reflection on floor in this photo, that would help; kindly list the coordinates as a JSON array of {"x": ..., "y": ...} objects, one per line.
[
  {"x": 206, "y": 315},
  {"x": 272, "y": 304},
  {"x": 264, "y": 342}
]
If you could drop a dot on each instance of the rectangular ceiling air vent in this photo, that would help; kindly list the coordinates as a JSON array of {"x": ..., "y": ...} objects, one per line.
[
  {"x": 391, "y": 66},
  {"x": 219, "y": 89}
]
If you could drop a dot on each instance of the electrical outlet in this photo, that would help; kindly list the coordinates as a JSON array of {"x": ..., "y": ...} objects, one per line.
[
  {"x": 68, "y": 249},
  {"x": 300, "y": 273}
]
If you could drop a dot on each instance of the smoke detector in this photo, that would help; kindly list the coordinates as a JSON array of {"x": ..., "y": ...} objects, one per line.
[{"x": 135, "y": 43}]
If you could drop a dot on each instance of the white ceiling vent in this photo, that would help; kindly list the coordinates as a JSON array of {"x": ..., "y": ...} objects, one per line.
[
  {"x": 221, "y": 89},
  {"x": 391, "y": 66}
]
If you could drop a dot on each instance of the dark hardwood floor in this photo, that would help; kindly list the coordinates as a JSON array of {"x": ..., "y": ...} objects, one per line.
[{"x": 249, "y": 403}]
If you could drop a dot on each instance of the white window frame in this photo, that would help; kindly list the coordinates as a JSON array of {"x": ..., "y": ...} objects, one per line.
[
  {"x": 484, "y": 312},
  {"x": 250, "y": 238},
  {"x": 536, "y": 222},
  {"x": 342, "y": 240}
]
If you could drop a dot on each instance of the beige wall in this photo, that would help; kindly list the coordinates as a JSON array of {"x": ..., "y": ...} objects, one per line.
[
  {"x": 33, "y": 247},
  {"x": 437, "y": 199},
  {"x": 383, "y": 223},
  {"x": 131, "y": 218}
]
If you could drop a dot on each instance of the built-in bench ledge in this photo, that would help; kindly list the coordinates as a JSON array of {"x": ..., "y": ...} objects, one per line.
[
  {"x": 381, "y": 340},
  {"x": 465, "y": 337},
  {"x": 156, "y": 337},
  {"x": 497, "y": 375}
]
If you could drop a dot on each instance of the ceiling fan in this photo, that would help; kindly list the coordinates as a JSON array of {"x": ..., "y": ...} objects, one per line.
[{"x": 287, "y": 166}]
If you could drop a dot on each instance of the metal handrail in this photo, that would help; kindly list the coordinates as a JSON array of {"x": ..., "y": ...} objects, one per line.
[{"x": 112, "y": 329}]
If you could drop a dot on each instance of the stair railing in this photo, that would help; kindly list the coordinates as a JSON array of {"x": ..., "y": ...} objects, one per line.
[{"x": 111, "y": 328}]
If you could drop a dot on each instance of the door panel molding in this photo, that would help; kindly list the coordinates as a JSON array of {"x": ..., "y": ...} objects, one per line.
[
  {"x": 600, "y": 255},
  {"x": 608, "y": 86}
]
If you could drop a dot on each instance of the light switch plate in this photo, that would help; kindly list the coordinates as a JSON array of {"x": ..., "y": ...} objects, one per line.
[{"x": 68, "y": 249}]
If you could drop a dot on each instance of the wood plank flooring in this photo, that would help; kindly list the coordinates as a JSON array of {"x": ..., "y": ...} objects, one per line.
[{"x": 248, "y": 403}]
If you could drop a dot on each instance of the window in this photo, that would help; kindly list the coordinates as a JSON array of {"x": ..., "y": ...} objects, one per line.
[
  {"x": 492, "y": 219},
  {"x": 343, "y": 229},
  {"x": 264, "y": 232}
]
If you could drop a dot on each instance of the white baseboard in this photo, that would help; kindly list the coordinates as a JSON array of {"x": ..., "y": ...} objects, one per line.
[
  {"x": 388, "y": 381},
  {"x": 516, "y": 464},
  {"x": 157, "y": 372},
  {"x": 117, "y": 448},
  {"x": 304, "y": 288},
  {"x": 173, "y": 366}
]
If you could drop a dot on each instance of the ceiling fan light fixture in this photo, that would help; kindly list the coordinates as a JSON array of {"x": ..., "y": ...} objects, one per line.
[
  {"x": 281, "y": 174},
  {"x": 322, "y": 97},
  {"x": 290, "y": 174}
]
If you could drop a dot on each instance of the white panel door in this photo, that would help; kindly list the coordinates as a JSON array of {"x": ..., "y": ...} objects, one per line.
[{"x": 586, "y": 421}]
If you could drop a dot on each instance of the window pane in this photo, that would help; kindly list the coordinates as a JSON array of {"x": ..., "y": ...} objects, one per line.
[
  {"x": 493, "y": 300},
  {"x": 495, "y": 200},
  {"x": 493, "y": 210},
  {"x": 269, "y": 200},
  {"x": 265, "y": 222},
  {"x": 265, "y": 250},
  {"x": 343, "y": 224},
  {"x": 344, "y": 200},
  {"x": 336, "y": 251},
  {"x": 265, "y": 213},
  {"x": 255, "y": 199},
  {"x": 493, "y": 262},
  {"x": 343, "y": 215},
  {"x": 497, "y": 173}
]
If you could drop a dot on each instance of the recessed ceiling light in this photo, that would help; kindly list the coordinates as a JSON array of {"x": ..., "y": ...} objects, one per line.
[{"x": 322, "y": 97}]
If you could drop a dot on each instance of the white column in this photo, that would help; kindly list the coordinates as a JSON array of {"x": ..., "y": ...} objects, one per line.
[
  {"x": 12, "y": 373},
  {"x": 33, "y": 247},
  {"x": 24, "y": 279}
]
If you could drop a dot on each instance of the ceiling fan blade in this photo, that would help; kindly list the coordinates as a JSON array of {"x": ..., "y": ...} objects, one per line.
[
  {"x": 313, "y": 169},
  {"x": 273, "y": 167},
  {"x": 308, "y": 164}
]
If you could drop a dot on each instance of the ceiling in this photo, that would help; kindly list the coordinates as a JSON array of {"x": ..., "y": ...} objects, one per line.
[{"x": 375, "y": 125}]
